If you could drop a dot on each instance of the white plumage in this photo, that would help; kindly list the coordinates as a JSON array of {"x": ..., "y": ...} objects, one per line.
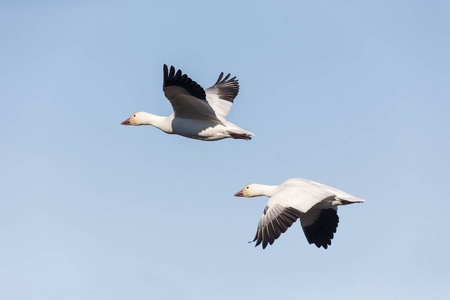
[
  {"x": 314, "y": 203},
  {"x": 198, "y": 113}
]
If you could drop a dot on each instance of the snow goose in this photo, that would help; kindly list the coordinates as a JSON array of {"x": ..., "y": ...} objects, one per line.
[
  {"x": 314, "y": 203},
  {"x": 198, "y": 113}
]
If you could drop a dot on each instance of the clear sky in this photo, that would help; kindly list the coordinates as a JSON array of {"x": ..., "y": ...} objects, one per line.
[{"x": 353, "y": 94}]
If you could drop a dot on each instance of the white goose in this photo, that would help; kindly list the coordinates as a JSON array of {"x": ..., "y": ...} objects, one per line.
[
  {"x": 314, "y": 203},
  {"x": 198, "y": 113}
]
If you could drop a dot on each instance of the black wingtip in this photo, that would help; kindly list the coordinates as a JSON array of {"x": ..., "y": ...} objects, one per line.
[
  {"x": 172, "y": 71},
  {"x": 228, "y": 88},
  {"x": 172, "y": 77},
  {"x": 220, "y": 78},
  {"x": 226, "y": 77},
  {"x": 321, "y": 232},
  {"x": 166, "y": 74}
]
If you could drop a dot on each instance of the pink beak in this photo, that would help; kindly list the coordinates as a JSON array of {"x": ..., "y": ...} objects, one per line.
[
  {"x": 126, "y": 122},
  {"x": 240, "y": 193}
]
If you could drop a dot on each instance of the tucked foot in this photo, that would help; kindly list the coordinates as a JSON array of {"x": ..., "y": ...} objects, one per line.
[{"x": 241, "y": 136}]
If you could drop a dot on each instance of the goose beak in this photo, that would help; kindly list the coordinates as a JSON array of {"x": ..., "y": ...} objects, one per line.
[
  {"x": 239, "y": 194},
  {"x": 126, "y": 122}
]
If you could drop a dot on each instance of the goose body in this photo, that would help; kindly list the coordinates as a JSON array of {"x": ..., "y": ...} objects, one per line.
[
  {"x": 315, "y": 204},
  {"x": 198, "y": 113}
]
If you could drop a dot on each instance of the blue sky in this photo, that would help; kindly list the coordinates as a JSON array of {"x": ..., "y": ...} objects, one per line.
[{"x": 347, "y": 93}]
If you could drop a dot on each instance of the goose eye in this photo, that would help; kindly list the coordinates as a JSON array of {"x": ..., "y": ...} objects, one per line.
[
  {"x": 134, "y": 116},
  {"x": 247, "y": 188}
]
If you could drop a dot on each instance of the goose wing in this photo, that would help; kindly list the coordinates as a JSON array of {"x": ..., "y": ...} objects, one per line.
[
  {"x": 221, "y": 95},
  {"x": 187, "y": 97},
  {"x": 320, "y": 225}
]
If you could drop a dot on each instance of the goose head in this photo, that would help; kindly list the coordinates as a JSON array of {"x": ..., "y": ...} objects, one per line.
[
  {"x": 250, "y": 190},
  {"x": 136, "y": 119}
]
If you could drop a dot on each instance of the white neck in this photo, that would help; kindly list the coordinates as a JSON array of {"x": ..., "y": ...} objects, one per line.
[
  {"x": 265, "y": 190},
  {"x": 163, "y": 123}
]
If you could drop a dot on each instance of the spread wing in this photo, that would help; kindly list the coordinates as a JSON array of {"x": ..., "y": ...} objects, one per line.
[
  {"x": 188, "y": 98},
  {"x": 274, "y": 221},
  {"x": 221, "y": 95},
  {"x": 319, "y": 226}
]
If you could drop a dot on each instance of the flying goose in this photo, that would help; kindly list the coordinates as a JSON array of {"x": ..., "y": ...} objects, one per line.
[
  {"x": 315, "y": 204},
  {"x": 198, "y": 113}
]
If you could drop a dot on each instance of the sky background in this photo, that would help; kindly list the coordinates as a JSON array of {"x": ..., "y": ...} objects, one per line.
[{"x": 353, "y": 94}]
